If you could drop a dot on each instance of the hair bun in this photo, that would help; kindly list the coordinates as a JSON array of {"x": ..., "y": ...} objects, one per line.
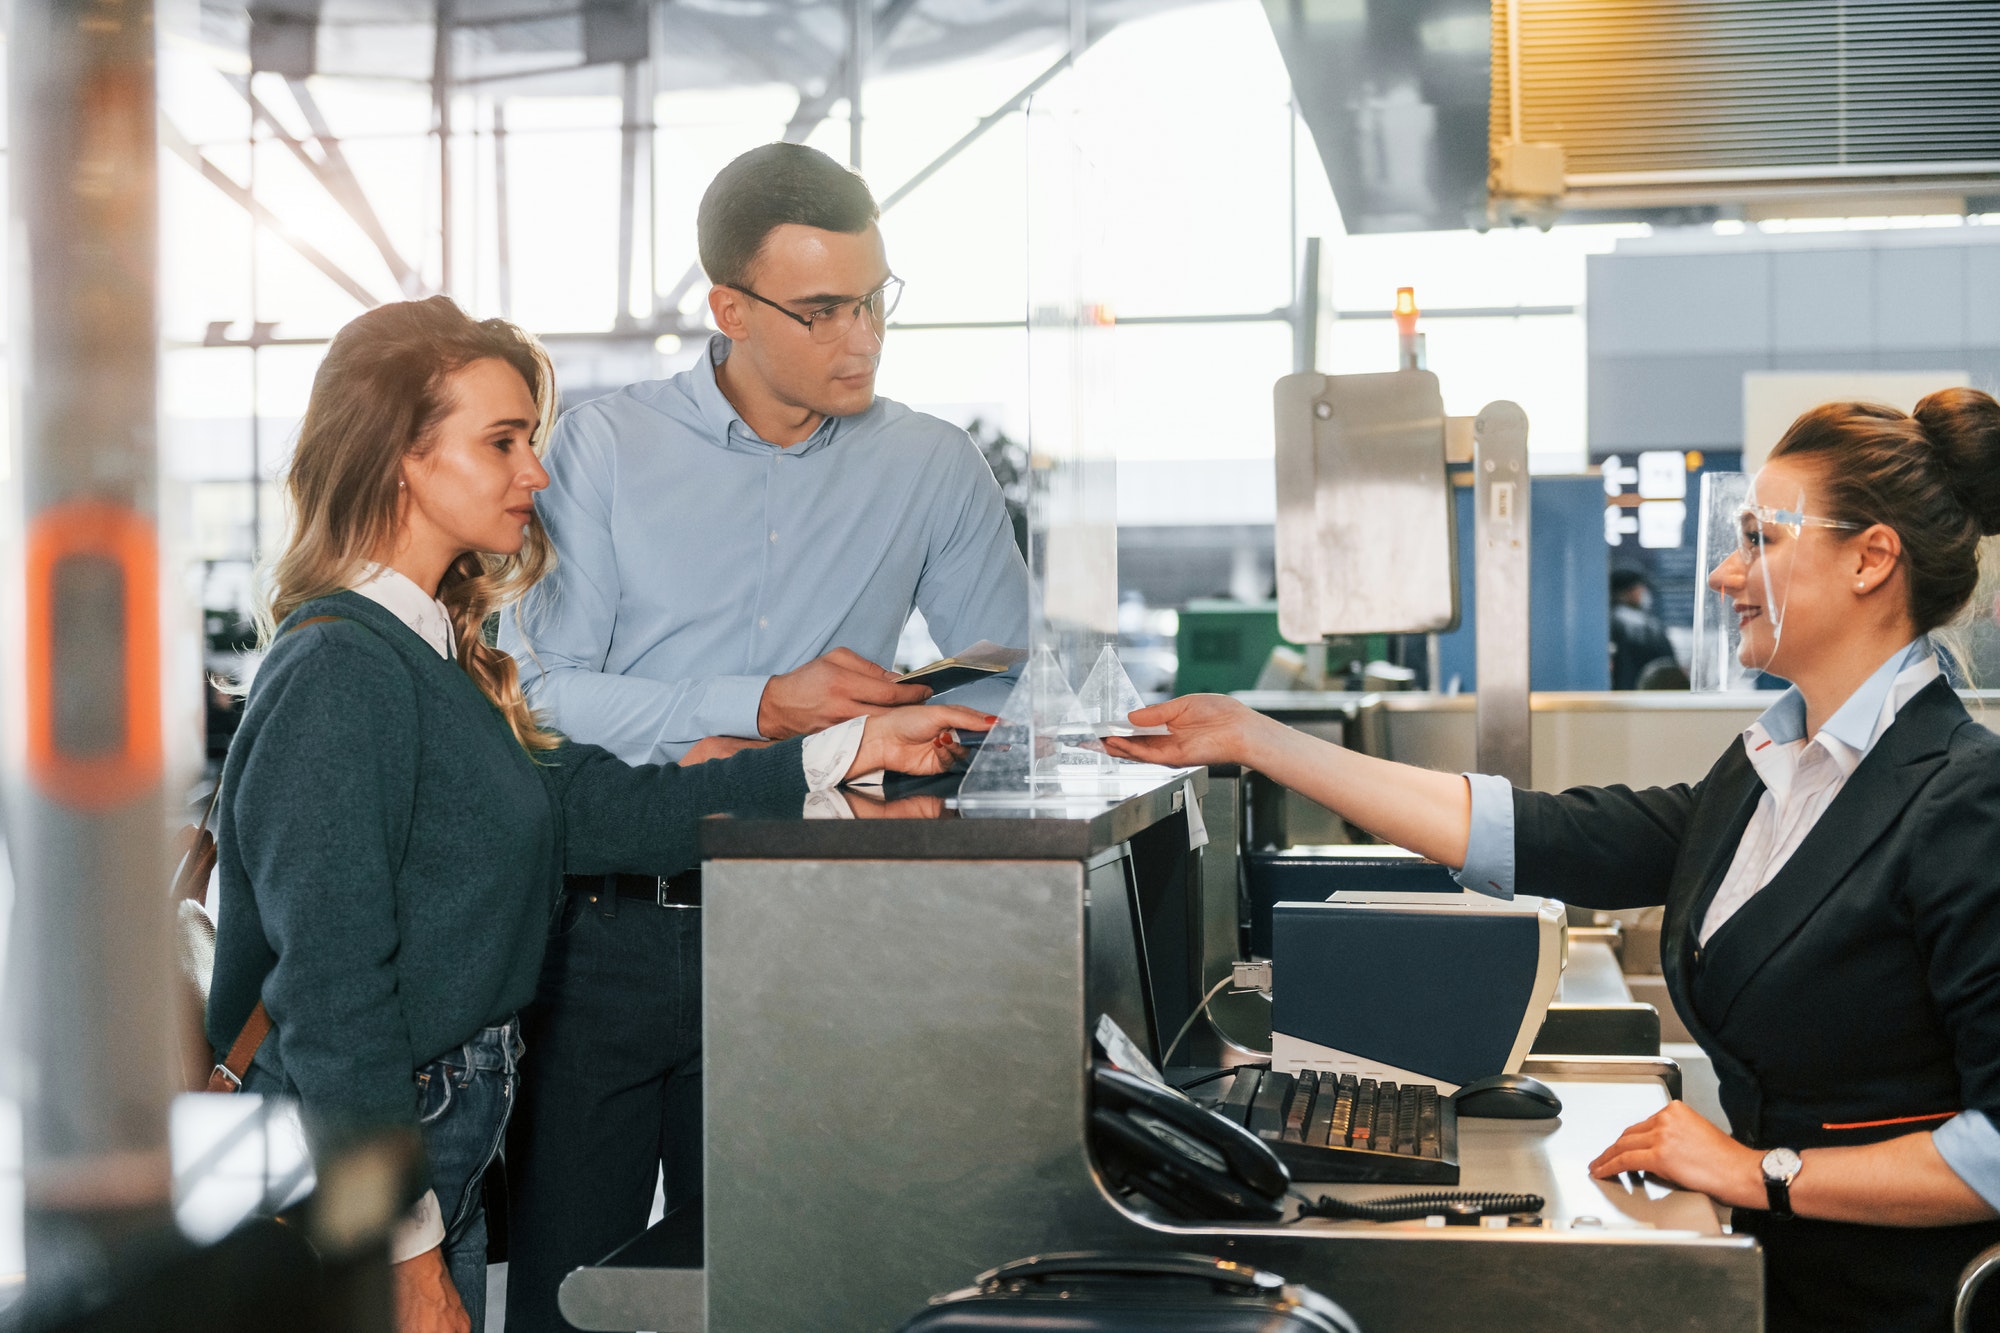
[{"x": 1964, "y": 428}]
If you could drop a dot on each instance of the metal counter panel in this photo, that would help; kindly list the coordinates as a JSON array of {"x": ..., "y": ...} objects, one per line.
[{"x": 872, "y": 1061}]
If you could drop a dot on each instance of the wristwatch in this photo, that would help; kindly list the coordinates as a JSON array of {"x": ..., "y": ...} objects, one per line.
[{"x": 1781, "y": 1168}]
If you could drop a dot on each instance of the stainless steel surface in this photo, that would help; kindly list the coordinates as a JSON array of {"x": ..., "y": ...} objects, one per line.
[
  {"x": 88, "y": 977},
  {"x": 1366, "y": 541},
  {"x": 665, "y": 1300},
  {"x": 1500, "y": 573},
  {"x": 1640, "y": 738},
  {"x": 1592, "y": 975},
  {"x": 895, "y": 1101},
  {"x": 1395, "y": 93},
  {"x": 1552, "y": 1158},
  {"x": 1607, "y": 1069},
  {"x": 1969, "y": 1282}
]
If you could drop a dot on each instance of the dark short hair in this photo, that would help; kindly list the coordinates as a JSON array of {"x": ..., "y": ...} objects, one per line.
[
  {"x": 766, "y": 188},
  {"x": 1624, "y": 580}
]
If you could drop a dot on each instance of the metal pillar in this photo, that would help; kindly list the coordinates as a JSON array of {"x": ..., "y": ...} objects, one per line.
[
  {"x": 1501, "y": 563},
  {"x": 628, "y": 188},
  {"x": 82, "y": 640},
  {"x": 441, "y": 103},
  {"x": 503, "y": 240},
  {"x": 860, "y": 54}
]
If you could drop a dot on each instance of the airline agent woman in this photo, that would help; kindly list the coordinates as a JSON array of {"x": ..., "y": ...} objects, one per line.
[{"x": 1832, "y": 887}]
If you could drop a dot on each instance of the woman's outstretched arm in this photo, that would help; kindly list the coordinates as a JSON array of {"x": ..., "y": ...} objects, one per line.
[{"x": 1430, "y": 813}]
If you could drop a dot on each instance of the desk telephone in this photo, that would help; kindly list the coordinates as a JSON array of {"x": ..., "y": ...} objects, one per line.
[{"x": 1157, "y": 1142}]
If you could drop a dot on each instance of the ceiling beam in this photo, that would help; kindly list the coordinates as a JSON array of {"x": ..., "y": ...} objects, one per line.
[{"x": 221, "y": 180}]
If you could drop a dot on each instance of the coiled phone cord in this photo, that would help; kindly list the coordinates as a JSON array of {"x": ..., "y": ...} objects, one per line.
[{"x": 1409, "y": 1207}]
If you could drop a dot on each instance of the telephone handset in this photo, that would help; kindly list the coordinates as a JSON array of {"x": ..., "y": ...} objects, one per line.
[{"x": 1189, "y": 1160}]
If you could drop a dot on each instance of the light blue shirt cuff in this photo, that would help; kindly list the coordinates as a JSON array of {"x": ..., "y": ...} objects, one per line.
[
  {"x": 1970, "y": 1146},
  {"x": 1489, "y": 851},
  {"x": 721, "y": 706},
  {"x": 730, "y": 708}
]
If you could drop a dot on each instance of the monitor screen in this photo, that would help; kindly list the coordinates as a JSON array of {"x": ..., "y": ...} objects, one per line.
[{"x": 1115, "y": 954}]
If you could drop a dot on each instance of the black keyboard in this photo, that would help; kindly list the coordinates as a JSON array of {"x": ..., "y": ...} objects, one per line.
[{"x": 1340, "y": 1129}]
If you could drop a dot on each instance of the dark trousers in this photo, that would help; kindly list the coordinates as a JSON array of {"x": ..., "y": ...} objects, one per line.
[
  {"x": 1844, "y": 1277},
  {"x": 611, "y": 1092}
]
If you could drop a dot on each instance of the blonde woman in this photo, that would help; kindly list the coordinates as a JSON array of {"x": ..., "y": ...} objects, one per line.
[{"x": 395, "y": 823}]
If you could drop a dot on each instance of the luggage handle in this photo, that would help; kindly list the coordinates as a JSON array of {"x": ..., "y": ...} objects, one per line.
[{"x": 1111, "y": 1263}]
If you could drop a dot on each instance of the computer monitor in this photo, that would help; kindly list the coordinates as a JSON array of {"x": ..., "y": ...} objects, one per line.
[
  {"x": 1144, "y": 936},
  {"x": 1115, "y": 971}
]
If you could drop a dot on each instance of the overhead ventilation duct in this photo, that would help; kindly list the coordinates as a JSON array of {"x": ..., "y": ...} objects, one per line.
[
  {"x": 1776, "y": 107},
  {"x": 1395, "y": 94}
]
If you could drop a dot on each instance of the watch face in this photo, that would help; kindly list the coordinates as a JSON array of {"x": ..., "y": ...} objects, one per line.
[{"x": 1781, "y": 1164}]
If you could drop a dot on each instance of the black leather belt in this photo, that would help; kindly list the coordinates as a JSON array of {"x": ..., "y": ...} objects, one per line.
[{"x": 682, "y": 890}]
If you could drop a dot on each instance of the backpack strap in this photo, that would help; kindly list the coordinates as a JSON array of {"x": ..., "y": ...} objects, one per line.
[{"x": 228, "y": 1076}]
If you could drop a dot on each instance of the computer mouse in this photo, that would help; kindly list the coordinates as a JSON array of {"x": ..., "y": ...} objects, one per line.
[{"x": 1508, "y": 1097}]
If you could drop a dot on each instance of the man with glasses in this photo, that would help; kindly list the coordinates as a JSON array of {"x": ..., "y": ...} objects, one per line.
[{"x": 739, "y": 549}]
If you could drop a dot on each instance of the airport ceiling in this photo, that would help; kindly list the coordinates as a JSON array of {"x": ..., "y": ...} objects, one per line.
[{"x": 531, "y": 47}]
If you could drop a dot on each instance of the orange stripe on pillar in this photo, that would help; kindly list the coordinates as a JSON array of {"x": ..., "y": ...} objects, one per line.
[{"x": 122, "y": 536}]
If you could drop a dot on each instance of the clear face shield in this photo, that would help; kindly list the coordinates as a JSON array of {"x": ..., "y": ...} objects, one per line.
[{"x": 1748, "y": 539}]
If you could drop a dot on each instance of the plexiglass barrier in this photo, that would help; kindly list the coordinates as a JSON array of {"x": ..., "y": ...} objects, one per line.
[{"x": 1048, "y": 739}]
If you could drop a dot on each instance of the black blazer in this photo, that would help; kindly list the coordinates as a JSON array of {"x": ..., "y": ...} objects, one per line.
[{"x": 1855, "y": 997}]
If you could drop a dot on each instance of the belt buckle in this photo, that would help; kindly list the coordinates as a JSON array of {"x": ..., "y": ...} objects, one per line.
[
  {"x": 235, "y": 1083},
  {"x": 660, "y": 893}
]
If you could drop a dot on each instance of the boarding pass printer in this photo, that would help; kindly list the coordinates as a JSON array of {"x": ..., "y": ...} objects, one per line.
[{"x": 1439, "y": 988}]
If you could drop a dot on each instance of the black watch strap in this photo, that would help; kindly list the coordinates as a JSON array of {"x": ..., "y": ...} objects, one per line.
[{"x": 1781, "y": 1167}]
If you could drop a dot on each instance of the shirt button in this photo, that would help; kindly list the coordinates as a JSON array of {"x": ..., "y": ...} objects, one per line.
[
  {"x": 774, "y": 534},
  {"x": 763, "y": 622}
]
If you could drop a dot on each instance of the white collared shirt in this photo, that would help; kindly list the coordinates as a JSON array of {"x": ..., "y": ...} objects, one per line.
[
  {"x": 1801, "y": 777},
  {"x": 397, "y": 593}
]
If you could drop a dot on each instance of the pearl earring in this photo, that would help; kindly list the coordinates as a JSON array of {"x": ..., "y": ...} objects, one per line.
[{"x": 1861, "y": 587}]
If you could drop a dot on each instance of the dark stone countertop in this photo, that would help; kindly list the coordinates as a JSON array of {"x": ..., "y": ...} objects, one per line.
[{"x": 919, "y": 820}]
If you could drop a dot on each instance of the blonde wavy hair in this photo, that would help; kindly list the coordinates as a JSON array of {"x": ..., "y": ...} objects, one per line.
[{"x": 376, "y": 400}]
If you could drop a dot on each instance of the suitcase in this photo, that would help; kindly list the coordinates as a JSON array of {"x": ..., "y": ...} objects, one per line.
[{"x": 1099, "y": 1291}]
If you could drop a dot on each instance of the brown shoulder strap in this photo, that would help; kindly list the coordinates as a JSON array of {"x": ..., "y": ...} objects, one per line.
[{"x": 228, "y": 1076}]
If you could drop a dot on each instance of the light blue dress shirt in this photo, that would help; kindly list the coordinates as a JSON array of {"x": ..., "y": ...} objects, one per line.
[
  {"x": 1969, "y": 1142},
  {"x": 696, "y": 560}
]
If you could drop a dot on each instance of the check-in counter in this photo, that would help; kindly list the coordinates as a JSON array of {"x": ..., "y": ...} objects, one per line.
[
  {"x": 897, "y": 1016},
  {"x": 1642, "y": 738}
]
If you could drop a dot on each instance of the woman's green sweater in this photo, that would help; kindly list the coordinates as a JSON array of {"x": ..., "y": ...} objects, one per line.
[{"x": 390, "y": 856}]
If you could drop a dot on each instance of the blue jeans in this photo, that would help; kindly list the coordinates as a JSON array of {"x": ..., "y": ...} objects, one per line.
[{"x": 464, "y": 1098}]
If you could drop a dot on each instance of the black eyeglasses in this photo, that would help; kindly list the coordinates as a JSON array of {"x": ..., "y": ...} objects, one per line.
[{"x": 833, "y": 321}]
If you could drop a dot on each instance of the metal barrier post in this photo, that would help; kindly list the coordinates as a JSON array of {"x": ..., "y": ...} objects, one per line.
[{"x": 82, "y": 640}]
